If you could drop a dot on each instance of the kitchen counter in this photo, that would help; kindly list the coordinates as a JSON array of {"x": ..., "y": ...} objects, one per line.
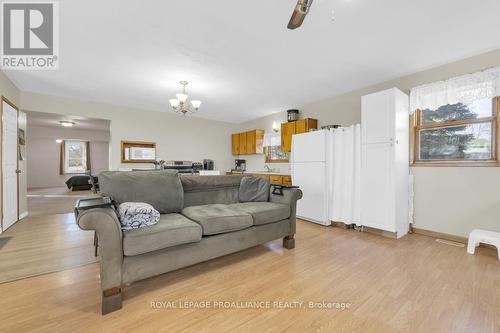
[
  {"x": 282, "y": 177},
  {"x": 260, "y": 172}
]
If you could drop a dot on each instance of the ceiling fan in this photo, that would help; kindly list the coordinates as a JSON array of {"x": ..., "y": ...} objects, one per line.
[{"x": 299, "y": 13}]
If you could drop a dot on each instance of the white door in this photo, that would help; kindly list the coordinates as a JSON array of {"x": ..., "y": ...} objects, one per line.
[
  {"x": 377, "y": 189},
  {"x": 377, "y": 117},
  {"x": 311, "y": 178},
  {"x": 9, "y": 165}
]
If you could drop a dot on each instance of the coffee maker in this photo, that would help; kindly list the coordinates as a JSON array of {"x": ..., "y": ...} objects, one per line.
[
  {"x": 208, "y": 164},
  {"x": 240, "y": 165}
]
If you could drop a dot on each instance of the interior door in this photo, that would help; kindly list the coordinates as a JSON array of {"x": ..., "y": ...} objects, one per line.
[
  {"x": 377, "y": 191},
  {"x": 9, "y": 165}
]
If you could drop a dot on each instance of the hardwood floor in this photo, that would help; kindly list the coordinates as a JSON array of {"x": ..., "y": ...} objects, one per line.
[
  {"x": 414, "y": 284},
  {"x": 48, "y": 240}
]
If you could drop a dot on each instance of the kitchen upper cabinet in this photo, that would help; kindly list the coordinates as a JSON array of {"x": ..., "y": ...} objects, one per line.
[
  {"x": 235, "y": 144},
  {"x": 243, "y": 143},
  {"x": 305, "y": 125},
  {"x": 248, "y": 143},
  {"x": 378, "y": 117},
  {"x": 287, "y": 130},
  {"x": 295, "y": 127}
]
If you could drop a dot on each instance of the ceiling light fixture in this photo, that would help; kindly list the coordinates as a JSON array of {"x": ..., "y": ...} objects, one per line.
[
  {"x": 181, "y": 105},
  {"x": 66, "y": 123}
]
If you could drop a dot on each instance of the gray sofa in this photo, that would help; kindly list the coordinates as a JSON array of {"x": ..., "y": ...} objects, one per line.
[{"x": 201, "y": 219}]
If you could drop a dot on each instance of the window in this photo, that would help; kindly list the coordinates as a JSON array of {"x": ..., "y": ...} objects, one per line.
[
  {"x": 457, "y": 133},
  {"x": 75, "y": 156},
  {"x": 455, "y": 122},
  {"x": 274, "y": 154}
]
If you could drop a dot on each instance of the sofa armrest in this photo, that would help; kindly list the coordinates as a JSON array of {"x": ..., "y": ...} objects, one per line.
[
  {"x": 290, "y": 197},
  {"x": 105, "y": 222}
]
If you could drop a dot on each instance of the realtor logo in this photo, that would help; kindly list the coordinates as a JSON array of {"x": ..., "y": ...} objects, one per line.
[{"x": 30, "y": 35}]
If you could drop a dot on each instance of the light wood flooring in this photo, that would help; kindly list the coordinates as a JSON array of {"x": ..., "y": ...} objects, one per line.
[
  {"x": 48, "y": 240},
  {"x": 414, "y": 284}
]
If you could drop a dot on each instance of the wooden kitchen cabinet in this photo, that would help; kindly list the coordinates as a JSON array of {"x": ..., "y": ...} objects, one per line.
[
  {"x": 287, "y": 130},
  {"x": 295, "y": 127},
  {"x": 305, "y": 125},
  {"x": 247, "y": 143},
  {"x": 287, "y": 180},
  {"x": 276, "y": 179},
  {"x": 243, "y": 143},
  {"x": 235, "y": 144}
]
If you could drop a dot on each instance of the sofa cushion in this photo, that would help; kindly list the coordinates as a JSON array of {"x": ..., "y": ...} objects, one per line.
[
  {"x": 161, "y": 189},
  {"x": 264, "y": 212},
  {"x": 218, "y": 218},
  {"x": 171, "y": 230},
  {"x": 253, "y": 189}
]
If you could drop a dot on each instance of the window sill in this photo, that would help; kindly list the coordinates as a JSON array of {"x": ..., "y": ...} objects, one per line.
[{"x": 456, "y": 164}]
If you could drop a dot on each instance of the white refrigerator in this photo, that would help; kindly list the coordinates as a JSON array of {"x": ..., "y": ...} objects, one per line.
[{"x": 309, "y": 171}]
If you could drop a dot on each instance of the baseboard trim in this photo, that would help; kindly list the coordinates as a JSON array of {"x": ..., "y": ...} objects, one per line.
[
  {"x": 23, "y": 215},
  {"x": 442, "y": 235},
  {"x": 380, "y": 232}
]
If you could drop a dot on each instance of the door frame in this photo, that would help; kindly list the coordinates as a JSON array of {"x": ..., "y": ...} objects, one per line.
[{"x": 6, "y": 100}]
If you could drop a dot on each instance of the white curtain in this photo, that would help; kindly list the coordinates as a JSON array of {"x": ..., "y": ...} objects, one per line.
[
  {"x": 345, "y": 173},
  {"x": 464, "y": 89},
  {"x": 271, "y": 139}
]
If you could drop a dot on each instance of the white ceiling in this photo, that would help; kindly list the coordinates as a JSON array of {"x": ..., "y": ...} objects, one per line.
[
  {"x": 239, "y": 57},
  {"x": 52, "y": 120}
]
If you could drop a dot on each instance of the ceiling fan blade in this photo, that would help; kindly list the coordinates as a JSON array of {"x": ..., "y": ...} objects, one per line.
[
  {"x": 299, "y": 13},
  {"x": 296, "y": 19}
]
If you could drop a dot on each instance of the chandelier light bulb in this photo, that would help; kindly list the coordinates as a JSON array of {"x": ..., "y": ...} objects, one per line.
[
  {"x": 182, "y": 104},
  {"x": 196, "y": 104}
]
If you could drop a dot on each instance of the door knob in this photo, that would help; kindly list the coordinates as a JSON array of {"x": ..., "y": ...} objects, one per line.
[{"x": 18, "y": 171}]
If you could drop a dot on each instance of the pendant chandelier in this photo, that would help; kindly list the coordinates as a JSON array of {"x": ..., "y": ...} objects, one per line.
[{"x": 181, "y": 105}]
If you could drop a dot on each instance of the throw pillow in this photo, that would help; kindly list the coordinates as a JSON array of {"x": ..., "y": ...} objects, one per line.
[{"x": 133, "y": 215}]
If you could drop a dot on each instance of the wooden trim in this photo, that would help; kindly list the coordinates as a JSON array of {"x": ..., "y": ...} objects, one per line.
[
  {"x": 457, "y": 123},
  {"x": 267, "y": 160},
  {"x": 448, "y": 163},
  {"x": 6, "y": 100},
  {"x": 442, "y": 235},
  {"x": 436, "y": 234},
  {"x": 379, "y": 232},
  {"x": 145, "y": 144},
  {"x": 416, "y": 125}
]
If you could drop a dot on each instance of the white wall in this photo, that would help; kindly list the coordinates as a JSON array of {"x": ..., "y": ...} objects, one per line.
[
  {"x": 44, "y": 153},
  {"x": 177, "y": 137},
  {"x": 449, "y": 200}
]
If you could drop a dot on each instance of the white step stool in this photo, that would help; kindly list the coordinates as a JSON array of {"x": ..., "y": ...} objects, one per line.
[{"x": 483, "y": 236}]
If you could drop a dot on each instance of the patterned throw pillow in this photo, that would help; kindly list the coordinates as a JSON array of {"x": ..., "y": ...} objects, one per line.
[{"x": 134, "y": 215}]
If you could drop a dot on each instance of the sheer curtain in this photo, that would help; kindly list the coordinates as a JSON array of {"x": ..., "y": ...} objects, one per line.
[
  {"x": 345, "y": 173},
  {"x": 464, "y": 89}
]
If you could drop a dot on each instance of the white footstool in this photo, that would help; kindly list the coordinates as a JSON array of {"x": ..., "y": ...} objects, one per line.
[{"x": 483, "y": 236}]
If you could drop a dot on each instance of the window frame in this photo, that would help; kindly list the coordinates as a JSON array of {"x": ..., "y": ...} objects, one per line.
[
  {"x": 416, "y": 125},
  {"x": 66, "y": 157}
]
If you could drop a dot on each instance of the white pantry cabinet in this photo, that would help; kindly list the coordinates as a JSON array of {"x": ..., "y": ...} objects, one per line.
[{"x": 385, "y": 161}]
